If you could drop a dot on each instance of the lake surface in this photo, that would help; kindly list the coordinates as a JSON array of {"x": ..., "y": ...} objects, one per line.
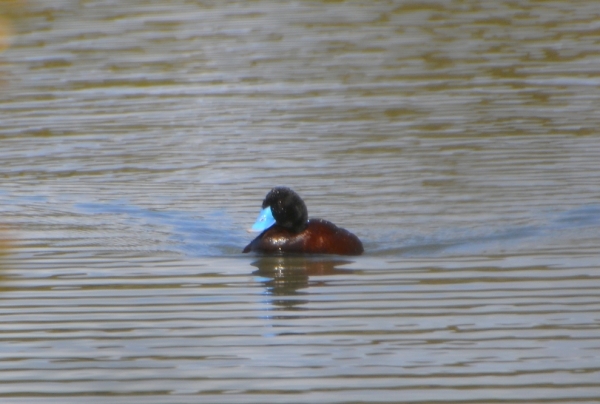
[{"x": 458, "y": 140}]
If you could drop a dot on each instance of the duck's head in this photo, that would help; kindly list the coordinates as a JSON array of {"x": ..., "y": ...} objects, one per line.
[{"x": 283, "y": 207}]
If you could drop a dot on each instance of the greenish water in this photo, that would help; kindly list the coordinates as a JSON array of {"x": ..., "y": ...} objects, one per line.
[{"x": 457, "y": 140}]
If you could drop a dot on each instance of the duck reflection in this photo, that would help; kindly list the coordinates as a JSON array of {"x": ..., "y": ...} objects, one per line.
[{"x": 286, "y": 275}]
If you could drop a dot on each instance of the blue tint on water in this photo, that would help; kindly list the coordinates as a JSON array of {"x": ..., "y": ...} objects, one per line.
[
  {"x": 212, "y": 235},
  {"x": 476, "y": 239},
  {"x": 215, "y": 234},
  {"x": 583, "y": 216}
]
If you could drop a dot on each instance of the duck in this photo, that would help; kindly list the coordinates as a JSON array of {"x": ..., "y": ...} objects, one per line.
[{"x": 286, "y": 228}]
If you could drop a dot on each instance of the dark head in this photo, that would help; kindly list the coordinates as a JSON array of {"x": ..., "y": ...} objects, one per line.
[{"x": 288, "y": 208}]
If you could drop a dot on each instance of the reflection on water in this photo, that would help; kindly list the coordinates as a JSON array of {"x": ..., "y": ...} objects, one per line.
[
  {"x": 456, "y": 139},
  {"x": 287, "y": 275}
]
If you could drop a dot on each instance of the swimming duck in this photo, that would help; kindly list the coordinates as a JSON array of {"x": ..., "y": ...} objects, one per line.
[{"x": 286, "y": 228}]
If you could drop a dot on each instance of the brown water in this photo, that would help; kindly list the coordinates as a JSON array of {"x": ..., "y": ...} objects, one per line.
[{"x": 457, "y": 139}]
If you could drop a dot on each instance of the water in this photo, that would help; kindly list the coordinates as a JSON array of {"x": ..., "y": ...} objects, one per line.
[{"x": 457, "y": 140}]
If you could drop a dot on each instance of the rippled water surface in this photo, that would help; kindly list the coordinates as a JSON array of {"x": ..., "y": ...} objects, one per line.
[{"x": 457, "y": 139}]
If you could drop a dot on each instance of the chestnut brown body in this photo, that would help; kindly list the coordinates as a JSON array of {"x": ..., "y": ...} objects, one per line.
[{"x": 318, "y": 237}]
